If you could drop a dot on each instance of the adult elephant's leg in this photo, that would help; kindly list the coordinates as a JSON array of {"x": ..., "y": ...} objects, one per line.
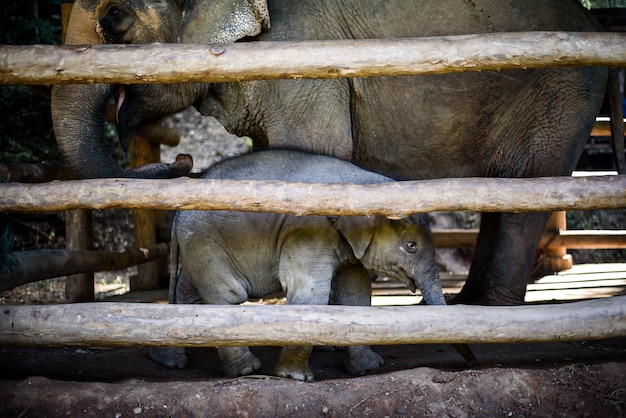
[
  {"x": 514, "y": 250},
  {"x": 514, "y": 257},
  {"x": 483, "y": 256}
]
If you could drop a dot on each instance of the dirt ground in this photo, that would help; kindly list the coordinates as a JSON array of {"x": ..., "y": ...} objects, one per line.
[{"x": 585, "y": 379}]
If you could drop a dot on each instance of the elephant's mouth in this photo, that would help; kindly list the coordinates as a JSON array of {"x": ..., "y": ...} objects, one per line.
[
  {"x": 119, "y": 94},
  {"x": 410, "y": 283},
  {"x": 124, "y": 121},
  {"x": 398, "y": 273}
]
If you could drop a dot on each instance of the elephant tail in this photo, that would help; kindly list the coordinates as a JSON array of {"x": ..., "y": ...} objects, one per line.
[
  {"x": 616, "y": 113},
  {"x": 174, "y": 265}
]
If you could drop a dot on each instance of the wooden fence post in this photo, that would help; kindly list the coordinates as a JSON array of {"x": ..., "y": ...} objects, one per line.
[
  {"x": 79, "y": 235},
  {"x": 78, "y": 224},
  {"x": 144, "y": 152},
  {"x": 554, "y": 257}
]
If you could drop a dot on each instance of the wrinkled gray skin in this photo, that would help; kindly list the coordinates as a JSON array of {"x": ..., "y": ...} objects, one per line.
[
  {"x": 518, "y": 123},
  {"x": 222, "y": 257}
]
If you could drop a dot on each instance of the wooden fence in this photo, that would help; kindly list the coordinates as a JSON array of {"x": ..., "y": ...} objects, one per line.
[{"x": 146, "y": 325}]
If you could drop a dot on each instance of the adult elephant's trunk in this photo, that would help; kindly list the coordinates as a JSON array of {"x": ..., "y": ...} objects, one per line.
[
  {"x": 78, "y": 116},
  {"x": 430, "y": 286}
]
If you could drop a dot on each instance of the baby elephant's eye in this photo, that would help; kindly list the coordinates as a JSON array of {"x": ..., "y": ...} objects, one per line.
[{"x": 411, "y": 246}]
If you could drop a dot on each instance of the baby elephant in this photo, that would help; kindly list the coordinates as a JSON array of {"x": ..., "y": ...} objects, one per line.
[{"x": 221, "y": 257}]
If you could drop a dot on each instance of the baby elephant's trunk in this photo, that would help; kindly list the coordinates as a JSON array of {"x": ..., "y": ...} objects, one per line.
[{"x": 433, "y": 295}]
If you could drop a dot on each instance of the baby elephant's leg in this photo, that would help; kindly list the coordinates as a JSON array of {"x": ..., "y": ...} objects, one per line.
[
  {"x": 360, "y": 359},
  {"x": 238, "y": 361},
  {"x": 352, "y": 287},
  {"x": 175, "y": 357},
  {"x": 294, "y": 363},
  {"x": 305, "y": 283},
  {"x": 172, "y": 357}
]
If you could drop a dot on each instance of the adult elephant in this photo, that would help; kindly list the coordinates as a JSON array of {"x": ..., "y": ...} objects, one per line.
[{"x": 506, "y": 124}]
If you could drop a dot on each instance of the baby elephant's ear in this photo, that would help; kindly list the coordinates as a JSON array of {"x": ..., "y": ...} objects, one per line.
[{"x": 358, "y": 231}]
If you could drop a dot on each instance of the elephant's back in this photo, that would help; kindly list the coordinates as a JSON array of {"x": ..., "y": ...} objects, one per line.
[
  {"x": 305, "y": 19},
  {"x": 291, "y": 165}
]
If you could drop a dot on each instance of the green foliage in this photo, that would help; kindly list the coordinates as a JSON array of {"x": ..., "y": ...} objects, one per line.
[
  {"x": 20, "y": 27},
  {"x": 25, "y": 122},
  {"x": 7, "y": 261},
  {"x": 26, "y": 134}
]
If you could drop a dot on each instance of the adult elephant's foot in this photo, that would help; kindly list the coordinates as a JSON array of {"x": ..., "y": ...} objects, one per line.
[
  {"x": 361, "y": 359},
  {"x": 497, "y": 294},
  {"x": 238, "y": 361},
  {"x": 172, "y": 357},
  {"x": 294, "y": 363},
  {"x": 492, "y": 292}
]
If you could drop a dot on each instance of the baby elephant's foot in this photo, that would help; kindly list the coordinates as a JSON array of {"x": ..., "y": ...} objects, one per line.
[
  {"x": 172, "y": 357},
  {"x": 361, "y": 359},
  {"x": 294, "y": 363},
  {"x": 238, "y": 361}
]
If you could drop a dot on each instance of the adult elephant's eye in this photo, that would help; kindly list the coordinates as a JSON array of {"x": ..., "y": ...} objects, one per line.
[
  {"x": 115, "y": 25},
  {"x": 411, "y": 246},
  {"x": 114, "y": 13}
]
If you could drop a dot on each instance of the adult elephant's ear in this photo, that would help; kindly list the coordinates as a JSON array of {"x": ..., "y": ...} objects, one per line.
[
  {"x": 357, "y": 230},
  {"x": 223, "y": 21}
]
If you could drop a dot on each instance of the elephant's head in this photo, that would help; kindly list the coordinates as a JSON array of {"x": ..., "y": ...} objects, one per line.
[
  {"x": 400, "y": 249},
  {"x": 78, "y": 111}
]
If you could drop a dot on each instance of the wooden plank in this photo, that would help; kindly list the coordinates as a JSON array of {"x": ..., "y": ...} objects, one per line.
[
  {"x": 572, "y": 239},
  {"x": 599, "y": 239},
  {"x": 580, "y": 284},
  {"x": 602, "y": 128},
  {"x": 135, "y": 324},
  {"x": 169, "y": 63},
  {"x": 455, "y": 238},
  {"x": 564, "y": 295},
  {"x": 587, "y": 278},
  {"x": 394, "y": 200}
]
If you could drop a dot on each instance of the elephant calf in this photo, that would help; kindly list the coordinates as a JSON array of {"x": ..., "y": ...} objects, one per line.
[{"x": 222, "y": 257}]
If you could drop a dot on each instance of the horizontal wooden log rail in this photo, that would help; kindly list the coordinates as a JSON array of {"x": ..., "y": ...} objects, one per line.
[
  {"x": 571, "y": 239},
  {"x": 172, "y": 63},
  {"x": 45, "y": 264},
  {"x": 133, "y": 324},
  {"x": 394, "y": 200}
]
